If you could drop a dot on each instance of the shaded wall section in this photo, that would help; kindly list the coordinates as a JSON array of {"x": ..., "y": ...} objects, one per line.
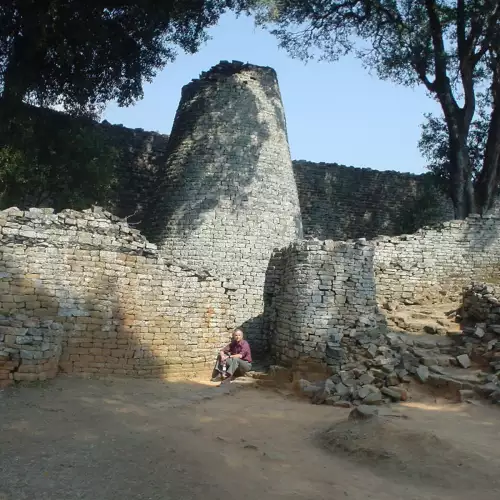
[
  {"x": 51, "y": 159},
  {"x": 340, "y": 203},
  {"x": 81, "y": 292},
  {"x": 140, "y": 155}
]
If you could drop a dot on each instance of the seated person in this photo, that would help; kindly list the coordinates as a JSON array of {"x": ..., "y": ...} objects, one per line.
[{"x": 236, "y": 356}]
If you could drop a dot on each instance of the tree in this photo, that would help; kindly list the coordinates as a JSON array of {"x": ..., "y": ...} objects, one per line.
[
  {"x": 450, "y": 47},
  {"x": 51, "y": 159},
  {"x": 83, "y": 53},
  {"x": 434, "y": 144}
]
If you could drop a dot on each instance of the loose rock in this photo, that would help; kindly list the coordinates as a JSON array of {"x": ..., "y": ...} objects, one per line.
[
  {"x": 395, "y": 393},
  {"x": 374, "y": 398},
  {"x": 363, "y": 412},
  {"x": 423, "y": 373},
  {"x": 463, "y": 360}
]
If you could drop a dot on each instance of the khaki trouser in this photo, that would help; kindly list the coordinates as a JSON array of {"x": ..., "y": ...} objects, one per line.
[{"x": 233, "y": 365}]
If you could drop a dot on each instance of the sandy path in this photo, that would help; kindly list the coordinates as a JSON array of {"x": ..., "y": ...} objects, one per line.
[{"x": 142, "y": 439}]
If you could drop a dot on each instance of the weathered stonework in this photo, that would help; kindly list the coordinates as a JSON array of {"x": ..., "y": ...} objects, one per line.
[
  {"x": 230, "y": 127},
  {"x": 481, "y": 304},
  {"x": 141, "y": 155},
  {"x": 125, "y": 162},
  {"x": 82, "y": 292},
  {"x": 30, "y": 347},
  {"x": 227, "y": 195},
  {"x": 340, "y": 203},
  {"x": 435, "y": 263},
  {"x": 481, "y": 332},
  {"x": 320, "y": 291}
]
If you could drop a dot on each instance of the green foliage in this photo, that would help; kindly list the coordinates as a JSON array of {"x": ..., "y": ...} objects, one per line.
[
  {"x": 49, "y": 159},
  {"x": 395, "y": 37},
  {"x": 79, "y": 55},
  {"x": 427, "y": 207},
  {"x": 83, "y": 53},
  {"x": 450, "y": 47},
  {"x": 434, "y": 145}
]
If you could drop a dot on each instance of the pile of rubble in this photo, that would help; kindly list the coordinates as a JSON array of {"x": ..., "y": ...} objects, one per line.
[
  {"x": 481, "y": 336},
  {"x": 374, "y": 369}
]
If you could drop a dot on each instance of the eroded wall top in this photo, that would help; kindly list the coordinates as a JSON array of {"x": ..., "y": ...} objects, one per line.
[
  {"x": 434, "y": 263},
  {"x": 94, "y": 229}
]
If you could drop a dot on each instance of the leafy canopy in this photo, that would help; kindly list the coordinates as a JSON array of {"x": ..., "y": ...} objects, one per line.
[
  {"x": 51, "y": 159},
  {"x": 80, "y": 54},
  {"x": 395, "y": 37},
  {"x": 450, "y": 47},
  {"x": 435, "y": 148}
]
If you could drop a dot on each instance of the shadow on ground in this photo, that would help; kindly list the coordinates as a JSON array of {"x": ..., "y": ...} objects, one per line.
[{"x": 144, "y": 439}]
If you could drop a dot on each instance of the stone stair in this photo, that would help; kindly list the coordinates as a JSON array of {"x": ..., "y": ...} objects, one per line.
[
  {"x": 443, "y": 362},
  {"x": 430, "y": 350},
  {"x": 435, "y": 319}
]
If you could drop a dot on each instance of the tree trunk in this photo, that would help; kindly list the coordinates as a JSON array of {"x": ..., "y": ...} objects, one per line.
[
  {"x": 459, "y": 187},
  {"x": 489, "y": 177},
  {"x": 470, "y": 195},
  {"x": 458, "y": 121},
  {"x": 458, "y": 124},
  {"x": 487, "y": 185}
]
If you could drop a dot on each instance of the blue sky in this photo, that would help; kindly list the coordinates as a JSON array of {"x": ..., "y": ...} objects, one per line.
[{"x": 336, "y": 112}]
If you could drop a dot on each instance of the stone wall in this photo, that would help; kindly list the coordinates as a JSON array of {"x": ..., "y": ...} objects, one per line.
[
  {"x": 480, "y": 341},
  {"x": 227, "y": 195},
  {"x": 140, "y": 155},
  {"x": 229, "y": 156},
  {"x": 79, "y": 163},
  {"x": 481, "y": 304},
  {"x": 434, "y": 264},
  {"x": 317, "y": 293},
  {"x": 83, "y": 292},
  {"x": 342, "y": 203}
]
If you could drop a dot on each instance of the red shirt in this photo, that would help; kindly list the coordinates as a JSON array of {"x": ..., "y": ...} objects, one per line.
[{"x": 242, "y": 348}]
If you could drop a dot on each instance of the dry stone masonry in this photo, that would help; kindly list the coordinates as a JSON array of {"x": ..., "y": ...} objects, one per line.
[
  {"x": 141, "y": 154},
  {"x": 228, "y": 196},
  {"x": 435, "y": 263},
  {"x": 379, "y": 368},
  {"x": 481, "y": 317},
  {"x": 321, "y": 291},
  {"x": 83, "y": 292},
  {"x": 481, "y": 304},
  {"x": 339, "y": 202},
  {"x": 323, "y": 317},
  {"x": 336, "y": 202}
]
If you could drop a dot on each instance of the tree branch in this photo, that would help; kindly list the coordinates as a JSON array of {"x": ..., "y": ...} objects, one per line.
[
  {"x": 422, "y": 74},
  {"x": 437, "y": 41},
  {"x": 463, "y": 48},
  {"x": 490, "y": 32},
  {"x": 466, "y": 66},
  {"x": 442, "y": 86}
]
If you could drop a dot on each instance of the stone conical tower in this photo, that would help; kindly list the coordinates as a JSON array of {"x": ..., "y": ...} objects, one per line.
[{"x": 228, "y": 196}]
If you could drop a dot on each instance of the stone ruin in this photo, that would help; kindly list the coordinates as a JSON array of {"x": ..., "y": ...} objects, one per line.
[
  {"x": 228, "y": 195},
  {"x": 228, "y": 240}
]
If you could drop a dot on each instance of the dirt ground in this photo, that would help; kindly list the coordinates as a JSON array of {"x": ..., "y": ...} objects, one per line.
[{"x": 143, "y": 439}]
